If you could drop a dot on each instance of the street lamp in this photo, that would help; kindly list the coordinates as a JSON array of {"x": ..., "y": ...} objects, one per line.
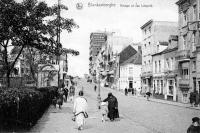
[{"x": 99, "y": 93}]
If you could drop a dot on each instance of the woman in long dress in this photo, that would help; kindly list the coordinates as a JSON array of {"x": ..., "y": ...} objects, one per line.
[{"x": 80, "y": 107}]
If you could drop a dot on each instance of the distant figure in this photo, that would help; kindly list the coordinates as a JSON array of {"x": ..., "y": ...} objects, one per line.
[
  {"x": 104, "y": 111},
  {"x": 71, "y": 92},
  {"x": 126, "y": 91},
  {"x": 194, "y": 127},
  {"x": 192, "y": 98},
  {"x": 112, "y": 106},
  {"x": 79, "y": 110},
  {"x": 60, "y": 97},
  {"x": 132, "y": 91},
  {"x": 66, "y": 93},
  {"x": 148, "y": 95},
  {"x": 95, "y": 88}
]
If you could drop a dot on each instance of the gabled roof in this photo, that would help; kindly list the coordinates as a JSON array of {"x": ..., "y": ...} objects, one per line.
[
  {"x": 135, "y": 59},
  {"x": 126, "y": 53}
]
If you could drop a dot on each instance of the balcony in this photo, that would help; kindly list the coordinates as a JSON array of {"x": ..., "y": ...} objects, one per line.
[
  {"x": 183, "y": 55},
  {"x": 184, "y": 83}
]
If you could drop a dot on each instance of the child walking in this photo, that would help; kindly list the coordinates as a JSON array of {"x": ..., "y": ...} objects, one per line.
[{"x": 104, "y": 111}]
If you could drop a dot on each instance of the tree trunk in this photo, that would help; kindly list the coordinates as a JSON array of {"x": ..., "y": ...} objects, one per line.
[{"x": 8, "y": 79}]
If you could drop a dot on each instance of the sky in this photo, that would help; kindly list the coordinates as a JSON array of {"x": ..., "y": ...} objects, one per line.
[{"x": 118, "y": 17}]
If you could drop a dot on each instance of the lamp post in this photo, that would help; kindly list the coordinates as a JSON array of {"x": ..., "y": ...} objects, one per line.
[{"x": 99, "y": 91}]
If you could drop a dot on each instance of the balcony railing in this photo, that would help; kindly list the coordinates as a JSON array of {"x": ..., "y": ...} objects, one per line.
[
  {"x": 184, "y": 82},
  {"x": 183, "y": 55}
]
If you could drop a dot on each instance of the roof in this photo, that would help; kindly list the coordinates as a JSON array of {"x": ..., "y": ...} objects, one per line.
[
  {"x": 167, "y": 50},
  {"x": 126, "y": 54},
  {"x": 147, "y": 23},
  {"x": 180, "y": 1},
  {"x": 135, "y": 59}
]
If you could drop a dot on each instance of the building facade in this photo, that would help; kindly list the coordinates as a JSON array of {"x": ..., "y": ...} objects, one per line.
[
  {"x": 170, "y": 69},
  {"x": 153, "y": 32},
  {"x": 97, "y": 39},
  {"x": 130, "y": 72},
  {"x": 188, "y": 56}
]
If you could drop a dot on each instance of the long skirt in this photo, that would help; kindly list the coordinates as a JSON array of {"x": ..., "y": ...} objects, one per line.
[{"x": 80, "y": 119}]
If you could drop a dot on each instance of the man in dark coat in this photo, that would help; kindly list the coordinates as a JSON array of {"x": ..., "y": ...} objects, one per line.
[
  {"x": 194, "y": 128},
  {"x": 112, "y": 106},
  {"x": 126, "y": 91}
]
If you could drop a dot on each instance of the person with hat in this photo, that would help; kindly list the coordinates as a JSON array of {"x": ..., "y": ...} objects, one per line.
[
  {"x": 194, "y": 127},
  {"x": 112, "y": 106}
]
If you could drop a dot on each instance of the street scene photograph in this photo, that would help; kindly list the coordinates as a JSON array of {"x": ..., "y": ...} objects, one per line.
[{"x": 100, "y": 66}]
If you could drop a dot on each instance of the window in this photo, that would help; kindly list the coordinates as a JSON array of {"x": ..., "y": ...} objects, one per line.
[
  {"x": 194, "y": 65},
  {"x": 167, "y": 63},
  {"x": 145, "y": 31},
  {"x": 155, "y": 67},
  {"x": 193, "y": 41},
  {"x": 145, "y": 45},
  {"x": 194, "y": 12},
  {"x": 185, "y": 73},
  {"x": 159, "y": 66},
  {"x": 184, "y": 42},
  {"x": 149, "y": 29},
  {"x": 171, "y": 87},
  {"x": 172, "y": 63},
  {"x": 185, "y": 17}
]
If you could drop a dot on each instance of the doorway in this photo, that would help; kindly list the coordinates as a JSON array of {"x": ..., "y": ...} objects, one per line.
[{"x": 130, "y": 84}]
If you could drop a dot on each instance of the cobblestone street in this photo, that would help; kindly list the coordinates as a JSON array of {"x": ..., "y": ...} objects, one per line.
[{"x": 136, "y": 115}]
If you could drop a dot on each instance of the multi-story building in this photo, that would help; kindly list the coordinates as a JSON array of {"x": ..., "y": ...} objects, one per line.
[
  {"x": 154, "y": 33},
  {"x": 158, "y": 70},
  {"x": 188, "y": 56},
  {"x": 130, "y": 71},
  {"x": 170, "y": 69},
  {"x": 97, "y": 39},
  {"x": 106, "y": 63},
  {"x": 164, "y": 71}
]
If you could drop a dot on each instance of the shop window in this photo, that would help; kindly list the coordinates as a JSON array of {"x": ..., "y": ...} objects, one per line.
[{"x": 171, "y": 87}]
